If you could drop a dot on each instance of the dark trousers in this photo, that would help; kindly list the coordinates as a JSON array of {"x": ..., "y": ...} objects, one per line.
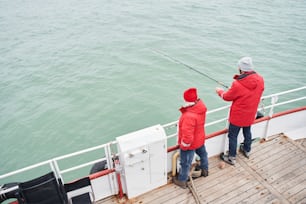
[
  {"x": 186, "y": 158},
  {"x": 233, "y": 132}
]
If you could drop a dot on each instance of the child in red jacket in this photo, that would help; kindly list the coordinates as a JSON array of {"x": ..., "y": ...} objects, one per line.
[{"x": 191, "y": 136}]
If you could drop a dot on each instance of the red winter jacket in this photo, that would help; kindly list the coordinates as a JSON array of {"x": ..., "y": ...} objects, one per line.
[
  {"x": 245, "y": 94},
  {"x": 191, "y": 126}
]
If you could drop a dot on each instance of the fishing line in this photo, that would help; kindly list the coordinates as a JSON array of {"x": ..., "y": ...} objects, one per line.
[{"x": 188, "y": 66}]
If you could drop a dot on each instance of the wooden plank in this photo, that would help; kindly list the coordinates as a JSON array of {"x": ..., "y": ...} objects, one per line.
[
  {"x": 239, "y": 193},
  {"x": 299, "y": 198},
  {"x": 289, "y": 180},
  {"x": 263, "y": 146},
  {"x": 293, "y": 157},
  {"x": 178, "y": 196},
  {"x": 285, "y": 171},
  {"x": 266, "y": 199},
  {"x": 161, "y": 194},
  {"x": 261, "y": 160},
  {"x": 227, "y": 186},
  {"x": 257, "y": 191},
  {"x": 209, "y": 182},
  {"x": 184, "y": 196},
  {"x": 261, "y": 194},
  {"x": 280, "y": 158},
  {"x": 188, "y": 200},
  {"x": 258, "y": 161},
  {"x": 281, "y": 166},
  {"x": 295, "y": 191},
  {"x": 274, "y": 201},
  {"x": 300, "y": 170}
]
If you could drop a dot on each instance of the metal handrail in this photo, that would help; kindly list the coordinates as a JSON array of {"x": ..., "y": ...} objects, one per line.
[
  {"x": 284, "y": 92},
  {"x": 26, "y": 169},
  {"x": 286, "y": 102}
]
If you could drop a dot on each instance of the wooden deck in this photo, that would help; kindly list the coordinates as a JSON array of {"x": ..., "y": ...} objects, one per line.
[{"x": 275, "y": 173}]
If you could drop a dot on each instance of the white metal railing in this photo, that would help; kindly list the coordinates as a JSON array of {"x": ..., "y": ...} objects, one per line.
[
  {"x": 57, "y": 159},
  {"x": 54, "y": 163},
  {"x": 27, "y": 169},
  {"x": 284, "y": 92}
]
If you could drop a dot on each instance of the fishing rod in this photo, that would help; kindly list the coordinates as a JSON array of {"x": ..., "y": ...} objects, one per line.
[{"x": 190, "y": 67}]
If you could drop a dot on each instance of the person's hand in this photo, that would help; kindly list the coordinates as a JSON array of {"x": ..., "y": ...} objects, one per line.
[
  {"x": 184, "y": 146},
  {"x": 218, "y": 89}
]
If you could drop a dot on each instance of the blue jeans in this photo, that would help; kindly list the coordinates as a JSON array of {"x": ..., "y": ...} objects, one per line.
[
  {"x": 186, "y": 158},
  {"x": 233, "y": 132}
]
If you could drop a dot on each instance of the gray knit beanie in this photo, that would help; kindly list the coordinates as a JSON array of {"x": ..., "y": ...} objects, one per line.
[{"x": 245, "y": 64}]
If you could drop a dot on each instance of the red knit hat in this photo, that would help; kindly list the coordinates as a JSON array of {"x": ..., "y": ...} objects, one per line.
[{"x": 190, "y": 95}]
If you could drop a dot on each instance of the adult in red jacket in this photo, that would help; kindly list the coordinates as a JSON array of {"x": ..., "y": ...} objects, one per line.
[
  {"x": 191, "y": 136},
  {"x": 245, "y": 93}
]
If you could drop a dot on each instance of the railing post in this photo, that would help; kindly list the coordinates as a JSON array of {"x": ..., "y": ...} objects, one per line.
[
  {"x": 274, "y": 100},
  {"x": 108, "y": 155},
  {"x": 226, "y": 127},
  {"x": 55, "y": 168}
]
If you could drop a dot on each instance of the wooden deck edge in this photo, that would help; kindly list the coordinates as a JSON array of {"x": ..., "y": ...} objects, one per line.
[{"x": 298, "y": 143}]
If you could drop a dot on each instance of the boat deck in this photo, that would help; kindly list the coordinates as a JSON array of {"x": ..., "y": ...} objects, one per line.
[{"x": 275, "y": 173}]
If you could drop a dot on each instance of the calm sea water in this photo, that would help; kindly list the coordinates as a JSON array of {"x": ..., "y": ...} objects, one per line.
[{"x": 75, "y": 74}]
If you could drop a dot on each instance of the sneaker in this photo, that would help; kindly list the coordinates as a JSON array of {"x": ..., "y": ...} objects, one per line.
[
  {"x": 245, "y": 153},
  {"x": 228, "y": 159},
  {"x": 182, "y": 184},
  {"x": 204, "y": 173}
]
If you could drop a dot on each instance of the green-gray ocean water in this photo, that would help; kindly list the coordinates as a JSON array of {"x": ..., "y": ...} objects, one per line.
[{"x": 75, "y": 74}]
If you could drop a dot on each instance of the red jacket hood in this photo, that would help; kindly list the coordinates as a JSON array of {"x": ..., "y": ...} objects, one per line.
[
  {"x": 249, "y": 80},
  {"x": 198, "y": 108}
]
